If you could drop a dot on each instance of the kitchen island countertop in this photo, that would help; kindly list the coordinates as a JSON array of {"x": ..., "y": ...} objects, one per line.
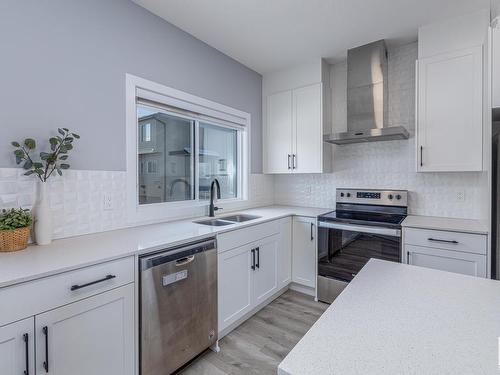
[{"x": 400, "y": 319}]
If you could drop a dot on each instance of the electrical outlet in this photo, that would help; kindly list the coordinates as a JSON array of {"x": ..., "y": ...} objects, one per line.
[
  {"x": 107, "y": 201},
  {"x": 460, "y": 196}
]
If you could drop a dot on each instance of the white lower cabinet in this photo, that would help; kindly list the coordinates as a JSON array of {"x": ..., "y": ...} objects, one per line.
[
  {"x": 266, "y": 269},
  {"x": 17, "y": 348},
  {"x": 234, "y": 280},
  {"x": 304, "y": 251},
  {"x": 443, "y": 250},
  {"x": 91, "y": 336},
  {"x": 285, "y": 253},
  {"x": 445, "y": 260},
  {"x": 247, "y": 276}
]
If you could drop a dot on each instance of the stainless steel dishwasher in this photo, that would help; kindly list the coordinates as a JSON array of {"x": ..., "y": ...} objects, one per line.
[{"x": 178, "y": 311}]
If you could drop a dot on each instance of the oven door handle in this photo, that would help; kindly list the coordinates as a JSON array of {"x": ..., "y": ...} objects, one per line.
[{"x": 361, "y": 228}]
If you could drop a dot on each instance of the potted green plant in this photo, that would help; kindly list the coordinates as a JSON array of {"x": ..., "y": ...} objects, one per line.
[
  {"x": 15, "y": 225},
  {"x": 50, "y": 163}
]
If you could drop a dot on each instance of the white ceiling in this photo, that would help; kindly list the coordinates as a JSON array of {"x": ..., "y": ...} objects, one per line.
[{"x": 268, "y": 35}]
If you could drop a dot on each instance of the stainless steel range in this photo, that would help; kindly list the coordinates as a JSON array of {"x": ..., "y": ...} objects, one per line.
[{"x": 365, "y": 224}]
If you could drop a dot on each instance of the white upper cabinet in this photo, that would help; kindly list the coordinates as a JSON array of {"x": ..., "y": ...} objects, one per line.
[
  {"x": 450, "y": 105},
  {"x": 278, "y": 137},
  {"x": 295, "y": 113},
  {"x": 449, "y": 101},
  {"x": 496, "y": 67}
]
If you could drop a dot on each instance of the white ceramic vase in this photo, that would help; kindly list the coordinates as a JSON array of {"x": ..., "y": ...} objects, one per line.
[{"x": 43, "y": 216}]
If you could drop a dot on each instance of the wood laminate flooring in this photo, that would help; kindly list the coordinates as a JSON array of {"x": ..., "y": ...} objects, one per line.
[{"x": 258, "y": 345}]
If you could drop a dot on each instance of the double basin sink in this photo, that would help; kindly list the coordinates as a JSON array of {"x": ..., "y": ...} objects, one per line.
[{"x": 228, "y": 220}]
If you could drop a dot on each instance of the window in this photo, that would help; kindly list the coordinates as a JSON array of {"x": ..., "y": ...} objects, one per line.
[{"x": 178, "y": 145}]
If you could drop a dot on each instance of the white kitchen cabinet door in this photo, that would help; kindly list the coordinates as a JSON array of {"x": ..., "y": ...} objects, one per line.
[
  {"x": 285, "y": 253},
  {"x": 449, "y": 111},
  {"x": 496, "y": 68},
  {"x": 265, "y": 277},
  {"x": 308, "y": 129},
  {"x": 304, "y": 251},
  {"x": 235, "y": 288},
  {"x": 278, "y": 134},
  {"x": 17, "y": 348},
  {"x": 91, "y": 336},
  {"x": 446, "y": 260}
]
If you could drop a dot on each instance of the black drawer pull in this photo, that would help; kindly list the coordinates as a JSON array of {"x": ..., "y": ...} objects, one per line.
[
  {"x": 253, "y": 260},
  {"x": 445, "y": 241},
  {"x": 45, "y": 331},
  {"x": 76, "y": 286},
  {"x": 258, "y": 257},
  {"x": 27, "y": 347}
]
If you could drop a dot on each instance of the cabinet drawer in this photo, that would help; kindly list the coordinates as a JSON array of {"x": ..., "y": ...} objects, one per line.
[
  {"x": 240, "y": 237},
  {"x": 465, "y": 242},
  {"x": 34, "y": 297}
]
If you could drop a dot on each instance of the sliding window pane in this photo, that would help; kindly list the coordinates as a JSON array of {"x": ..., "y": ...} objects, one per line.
[
  {"x": 218, "y": 159},
  {"x": 165, "y": 157}
]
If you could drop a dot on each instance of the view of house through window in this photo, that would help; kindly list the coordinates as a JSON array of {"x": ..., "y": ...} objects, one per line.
[{"x": 173, "y": 165}]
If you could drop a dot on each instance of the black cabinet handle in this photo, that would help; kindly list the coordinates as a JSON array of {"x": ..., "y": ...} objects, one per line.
[
  {"x": 294, "y": 164},
  {"x": 253, "y": 259},
  {"x": 45, "y": 331},
  {"x": 76, "y": 286},
  {"x": 312, "y": 231},
  {"x": 27, "y": 348},
  {"x": 445, "y": 241},
  {"x": 258, "y": 257},
  {"x": 289, "y": 156},
  {"x": 407, "y": 257},
  {"x": 421, "y": 156}
]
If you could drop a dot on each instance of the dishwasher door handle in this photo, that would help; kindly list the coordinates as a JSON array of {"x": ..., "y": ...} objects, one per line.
[{"x": 184, "y": 261}]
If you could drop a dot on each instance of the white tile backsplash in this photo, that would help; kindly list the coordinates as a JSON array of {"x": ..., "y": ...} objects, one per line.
[{"x": 77, "y": 198}]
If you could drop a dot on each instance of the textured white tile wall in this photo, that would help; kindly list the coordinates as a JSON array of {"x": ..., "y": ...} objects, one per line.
[
  {"x": 389, "y": 165},
  {"x": 77, "y": 198}
]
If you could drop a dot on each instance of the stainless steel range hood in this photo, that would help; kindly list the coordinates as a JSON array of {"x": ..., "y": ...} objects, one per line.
[{"x": 367, "y": 96}]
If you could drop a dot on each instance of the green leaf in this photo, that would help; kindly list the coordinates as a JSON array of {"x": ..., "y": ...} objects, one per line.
[
  {"x": 53, "y": 141},
  {"x": 19, "y": 160},
  {"x": 39, "y": 171},
  {"x": 64, "y": 166},
  {"x": 60, "y": 131},
  {"x": 30, "y": 143},
  {"x": 75, "y": 135},
  {"x": 44, "y": 155},
  {"x": 28, "y": 164},
  {"x": 63, "y": 157},
  {"x": 69, "y": 146},
  {"x": 66, "y": 130},
  {"x": 15, "y": 144},
  {"x": 29, "y": 173},
  {"x": 37, "y": 165},
  {"x": 19, "y": 153},
  {"x": 59, "y": 172}
]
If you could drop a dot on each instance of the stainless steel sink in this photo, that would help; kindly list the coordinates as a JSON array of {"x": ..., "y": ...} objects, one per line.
[
  {"x": 240, "y": 218},
  {"x": 214, "y": 222}
]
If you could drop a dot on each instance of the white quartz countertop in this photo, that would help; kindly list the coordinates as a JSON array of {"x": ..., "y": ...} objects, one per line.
[
  {"x": 75, "y": 252},
  {"x": 397, "y": 319},
  {"x": 445, "y": 223}
]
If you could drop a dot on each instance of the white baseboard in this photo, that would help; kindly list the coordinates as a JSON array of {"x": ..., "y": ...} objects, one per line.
[{"x": 303, "y": 289}]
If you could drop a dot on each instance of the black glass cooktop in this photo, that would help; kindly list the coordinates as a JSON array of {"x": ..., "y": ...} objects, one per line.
[{"x": 360, "y": 217}]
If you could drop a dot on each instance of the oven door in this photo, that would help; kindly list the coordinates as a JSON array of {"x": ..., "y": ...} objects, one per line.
[{"x": 343, "y": 249}]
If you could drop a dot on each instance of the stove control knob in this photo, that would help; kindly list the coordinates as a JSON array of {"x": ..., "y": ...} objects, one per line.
[
  {"x": 398, "y": 197},
  {"x": 390, "y": 196},
  {"x": 341, "y": 194},
  {"x": 348, "y": 195}
]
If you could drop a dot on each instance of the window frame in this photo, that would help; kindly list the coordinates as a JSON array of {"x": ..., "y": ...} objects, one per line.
[{"x": 204, "y": 111}]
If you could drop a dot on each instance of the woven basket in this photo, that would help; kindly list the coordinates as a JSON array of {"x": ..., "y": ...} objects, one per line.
[{"x": 14, "y": 240}]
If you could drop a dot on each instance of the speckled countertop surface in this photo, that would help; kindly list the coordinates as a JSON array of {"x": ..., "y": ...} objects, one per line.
[
  {"x": 75, "y": 252},
  {"x": 445, "y": 223},
  {"x": 397, "y": 319}
]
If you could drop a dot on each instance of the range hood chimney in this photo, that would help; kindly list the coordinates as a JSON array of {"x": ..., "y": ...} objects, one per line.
[{"x": 367, "y": 96}]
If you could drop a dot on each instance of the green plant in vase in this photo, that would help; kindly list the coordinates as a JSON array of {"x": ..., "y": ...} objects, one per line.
[{"x": 53, "y": 161}]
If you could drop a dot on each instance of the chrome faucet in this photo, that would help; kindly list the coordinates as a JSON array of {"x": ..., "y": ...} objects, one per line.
[{"x": 212, "y": 208}]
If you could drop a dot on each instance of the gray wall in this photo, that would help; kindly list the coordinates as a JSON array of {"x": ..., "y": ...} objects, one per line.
[{"x": 63, "y": 64}]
